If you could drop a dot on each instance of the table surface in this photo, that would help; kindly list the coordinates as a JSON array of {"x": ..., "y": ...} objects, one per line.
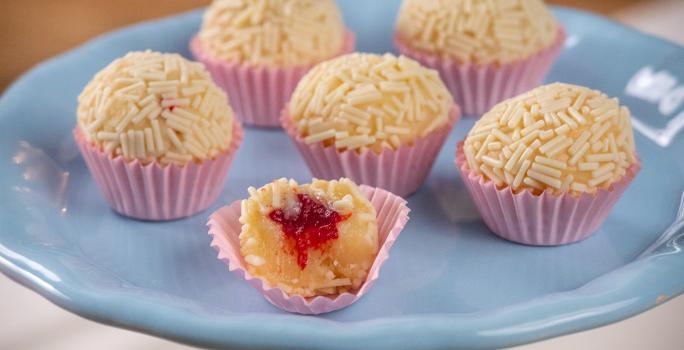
[{"x": 31, "y": 31}]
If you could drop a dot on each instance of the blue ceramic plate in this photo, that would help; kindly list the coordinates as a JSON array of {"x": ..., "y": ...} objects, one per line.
[{"x": 449, "y": 283}]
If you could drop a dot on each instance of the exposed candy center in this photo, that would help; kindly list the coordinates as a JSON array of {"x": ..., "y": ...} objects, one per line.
[{"x": 310, "y": 227}]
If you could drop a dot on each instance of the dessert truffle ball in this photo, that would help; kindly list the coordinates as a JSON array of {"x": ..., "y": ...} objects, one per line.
[
  {"x": 273, "y": 32},
  {"x": 477, "y": 31},
  {"x": 311, "y": 239},
  {"x": 367, "y": 101},
  {"x": 558, "y": 137},
  {"x": 155, "y": 107}
]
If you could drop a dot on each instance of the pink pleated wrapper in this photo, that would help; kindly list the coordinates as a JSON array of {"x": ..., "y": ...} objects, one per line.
[
  {"x": 545, "y": 219},
  {"x": 155, "y": 192},
  {"x": 257, "y": 94},
  {"x": 477, "y": 88},
  {"x": 400, "y": 171},
  {"x": 225, "y": 227}
]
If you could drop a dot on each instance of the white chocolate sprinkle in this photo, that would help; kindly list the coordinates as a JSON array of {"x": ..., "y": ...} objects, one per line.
[
  {"x": 123, "y": 110},
  {"x": 273, "y": 32},
  {"x": 579, "y": 153},
  {"x": 362, "y": 101},
  {"x": 484, "y": 32}
]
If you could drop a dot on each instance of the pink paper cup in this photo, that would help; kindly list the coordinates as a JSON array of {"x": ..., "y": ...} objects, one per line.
[
  {"x": 477, "y": 88},
  {"x": 257, "y": 94},
  {"x": 225, "y": 227},
  {"x": 400, "y": 171},
  {"x": 155, "y": 192},
  {"x": 545, "y": 219}
]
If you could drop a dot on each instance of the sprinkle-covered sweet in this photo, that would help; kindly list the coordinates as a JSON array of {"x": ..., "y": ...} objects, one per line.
[
  {"x": 312, "y": 239},
  {"x": 367, "y": 101},
  {"x": 273, "y": 32},
  {"x": 477, "y": 31},
  {"x": 152, "y": 106},
  {"x": 558, "y": 137}
]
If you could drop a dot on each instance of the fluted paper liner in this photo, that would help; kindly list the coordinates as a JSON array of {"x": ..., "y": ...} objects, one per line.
[
  {"x": 155, "y": 192},
  {"x": 401, "y": 171},
  {"x": 477, "y": 88},
  {"x": 225, "y": 227},
  {"x": 257, "y": 94},
  {"x": 545, "y": 219}
]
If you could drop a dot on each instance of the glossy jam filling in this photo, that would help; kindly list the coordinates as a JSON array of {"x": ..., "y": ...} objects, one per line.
[{"x": 311, "y": 227}]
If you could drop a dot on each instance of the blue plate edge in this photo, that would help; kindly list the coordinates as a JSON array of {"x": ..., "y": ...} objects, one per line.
[
  {"x": 636, "y": 296},
  {"x": 629, "y": 289}
]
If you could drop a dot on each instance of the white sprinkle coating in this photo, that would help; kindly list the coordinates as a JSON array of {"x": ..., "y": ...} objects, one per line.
[
  {"x": 255, "y": 260},
  {"x": 273, "y": 32},
  {"x": 137, "y": 107},
  {"x": 367, "y": 101},
  {"x": 480, "y": 31},
  {"x": 580, "y": 153}
]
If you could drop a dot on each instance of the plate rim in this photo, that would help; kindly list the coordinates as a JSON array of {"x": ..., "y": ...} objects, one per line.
[{"x": 631, "y": 289}]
